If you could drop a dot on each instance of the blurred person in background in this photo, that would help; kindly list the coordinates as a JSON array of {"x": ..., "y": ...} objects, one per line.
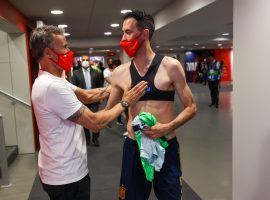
[{"x": 88, "y": 78}]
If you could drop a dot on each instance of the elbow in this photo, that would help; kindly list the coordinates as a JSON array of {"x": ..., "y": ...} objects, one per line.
[
  {"x": 193, "y": 109},
  {"x": 92, "y": 122},
  {"x": 99, "y": 121}
]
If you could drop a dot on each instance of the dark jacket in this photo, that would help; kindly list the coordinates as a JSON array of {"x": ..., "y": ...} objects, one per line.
[{"x": 78, "y": 79}]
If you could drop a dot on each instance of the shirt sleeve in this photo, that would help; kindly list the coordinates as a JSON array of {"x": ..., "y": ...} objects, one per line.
[
  {"x": 62, "y": 100},
  {"x": 72, "y": 87}
]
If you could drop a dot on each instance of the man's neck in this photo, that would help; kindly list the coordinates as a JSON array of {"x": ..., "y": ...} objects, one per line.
[
  {"x": 51, "y": 68},
  {"x": 144, "y": 57}
]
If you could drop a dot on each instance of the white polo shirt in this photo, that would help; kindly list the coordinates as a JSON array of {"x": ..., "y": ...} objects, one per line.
[
  {"x": 107, "y": 73},
  {"x": 62, "y": 157}
]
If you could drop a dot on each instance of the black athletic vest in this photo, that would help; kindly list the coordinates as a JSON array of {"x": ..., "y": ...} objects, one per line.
[{"x": 152, "y": 93}]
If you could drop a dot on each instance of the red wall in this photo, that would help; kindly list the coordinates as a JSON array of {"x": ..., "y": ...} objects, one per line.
[{"x": 225, "y": 55}]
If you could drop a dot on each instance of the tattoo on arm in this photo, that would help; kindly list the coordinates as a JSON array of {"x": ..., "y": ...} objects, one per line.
[{"x": 77, "y": 114}]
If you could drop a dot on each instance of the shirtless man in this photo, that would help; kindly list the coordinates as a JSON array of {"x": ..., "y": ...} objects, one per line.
[{"x": 164, "y": 75}]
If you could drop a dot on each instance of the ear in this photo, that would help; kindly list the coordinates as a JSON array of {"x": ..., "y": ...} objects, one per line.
[
  {"x": 146, "y": 34},
  {"x": 47, "y": 52}
]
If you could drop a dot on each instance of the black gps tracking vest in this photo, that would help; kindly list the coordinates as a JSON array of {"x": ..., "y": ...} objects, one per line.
[{"x": 152, "y": 93}]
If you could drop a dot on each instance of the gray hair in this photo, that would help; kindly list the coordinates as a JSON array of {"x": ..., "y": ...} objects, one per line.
[{"x": 41, "y": 38}]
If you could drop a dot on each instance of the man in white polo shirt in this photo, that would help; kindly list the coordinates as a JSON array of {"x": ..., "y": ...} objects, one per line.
[{"x": 60, "y": 115}]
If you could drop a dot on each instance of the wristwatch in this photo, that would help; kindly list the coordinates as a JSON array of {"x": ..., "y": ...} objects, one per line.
[{"x": 125, "y": 104}]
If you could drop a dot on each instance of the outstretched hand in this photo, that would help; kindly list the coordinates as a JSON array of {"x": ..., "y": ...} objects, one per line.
[{"x": 134, "y": 94}]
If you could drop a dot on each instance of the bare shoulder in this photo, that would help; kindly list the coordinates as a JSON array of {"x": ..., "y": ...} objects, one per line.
[
  {"x": 173, "y": 67},
  {"x": 121, "y": 69},
  {"x": 171, "y": 63}
]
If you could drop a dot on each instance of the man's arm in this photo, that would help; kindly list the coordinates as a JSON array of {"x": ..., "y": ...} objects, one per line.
[
  {"x": 177, "y": 75},
  {"x": 92, "y": 95},
  {"x": 89, "y": 96},
  {"x": 183, "y": 91},
  {"x": 116, "y": 92},
  {"x": 96, "y": 121}
]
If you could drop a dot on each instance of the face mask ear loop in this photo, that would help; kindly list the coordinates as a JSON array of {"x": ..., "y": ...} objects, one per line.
[{"x": 56, "y": 56}]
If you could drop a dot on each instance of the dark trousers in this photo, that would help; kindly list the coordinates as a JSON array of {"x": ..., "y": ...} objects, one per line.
[
  {"x": 167, "y": 183},
  {"x": 79, "y": 190},
  {"x": 119, "y": 118},
  {"x": 88, "y": 135},
  {"x": 214, "y": 91},
  {"x": 93, "y": 108}
]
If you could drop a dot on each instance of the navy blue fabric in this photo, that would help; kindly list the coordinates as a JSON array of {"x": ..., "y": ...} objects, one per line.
[{"x": 167, "y": 184}]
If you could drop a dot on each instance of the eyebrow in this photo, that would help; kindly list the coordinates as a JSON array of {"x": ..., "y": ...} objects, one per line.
[{"x": 126, "y": 30}]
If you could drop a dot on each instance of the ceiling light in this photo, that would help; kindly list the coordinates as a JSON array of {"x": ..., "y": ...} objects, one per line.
[
  {"x": 62, "y": 26},
  {"x": 203, "y": 47},
  {"x": 219, "y": 45},
  {"x": 107, "y": 50},
  {"x": 182, "y": 47},
  {"x": 107, "y": 33},
  {"x": 171, "y": 49},
  {"x": 125, "y": 11},
  {"x": 225, "y": 34},
  {"x": 66, "y": 34},
  {"x": 57, "y": 12},
  {"x": 220, "y": 39},
  {"x": 196, "y": 44},
  {"x": 114, "y": 25}
]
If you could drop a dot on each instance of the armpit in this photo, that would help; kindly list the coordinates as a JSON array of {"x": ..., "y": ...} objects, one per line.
[{"x": 77, "y": 114}]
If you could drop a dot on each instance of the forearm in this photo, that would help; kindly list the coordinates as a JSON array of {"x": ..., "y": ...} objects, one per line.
[
  {"x": 93, "y": 95},
  {"x": 182, "y": 118},
  {"x": 105, "y": 116}
]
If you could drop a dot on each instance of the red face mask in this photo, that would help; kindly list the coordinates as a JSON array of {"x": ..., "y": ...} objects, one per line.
[
  {"x": 64, "y": 60},
  {"x": 131, "y": 46}
]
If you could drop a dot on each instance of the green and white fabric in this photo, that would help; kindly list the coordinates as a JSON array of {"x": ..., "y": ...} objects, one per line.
[{"x": 152, "y": 152}]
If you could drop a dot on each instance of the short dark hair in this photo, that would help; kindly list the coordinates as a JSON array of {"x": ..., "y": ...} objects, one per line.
[
  {"x": 144, "y": 21},
  {"x": 41, "y": 38}
]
